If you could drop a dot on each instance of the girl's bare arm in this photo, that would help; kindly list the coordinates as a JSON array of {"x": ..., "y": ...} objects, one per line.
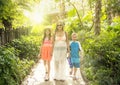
[{"x": 40, "y": 50}]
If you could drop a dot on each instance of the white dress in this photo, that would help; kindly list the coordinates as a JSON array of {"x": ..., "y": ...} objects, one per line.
[{"x": 60, "y": 53}]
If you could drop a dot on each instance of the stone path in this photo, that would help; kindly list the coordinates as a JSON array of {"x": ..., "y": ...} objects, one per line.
[{"x": 37, "y": 77}]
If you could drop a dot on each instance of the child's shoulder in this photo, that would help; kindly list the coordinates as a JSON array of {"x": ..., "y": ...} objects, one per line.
[
  {"x": 78, "y": 42},
  {"x": 71, "y": 41},
  {"x": 74, "y": 41}
]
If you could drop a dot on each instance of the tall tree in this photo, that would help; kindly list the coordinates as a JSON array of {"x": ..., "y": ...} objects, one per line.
[
  {"x": 112, "y": 9},
  {"x": 10, "y": 10},
  {"x": 97, "y": 17},
  {"x": 109, "y": 11},
  {"x": 6, "y": 16}
]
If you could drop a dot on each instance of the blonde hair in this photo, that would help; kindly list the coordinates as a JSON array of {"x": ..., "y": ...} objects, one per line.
[
  {"x": 60, "y": 23},
  {"x": 74, "y": 33}
]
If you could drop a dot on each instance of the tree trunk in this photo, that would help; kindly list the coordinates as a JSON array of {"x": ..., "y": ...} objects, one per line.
[
  {"x": 8, "y": 28},
  {"x": 109, "y": 12},
  {"x": 97, "y": 17}
]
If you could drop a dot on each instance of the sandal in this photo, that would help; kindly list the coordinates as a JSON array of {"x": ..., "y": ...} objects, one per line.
[
  {"x": 74, "y": 78},
  {"x": 55, "y": 79},
  {"x": 70, "y": 73},
  {"x": 62, "y": 80},
  {"x": 46, "y": 77}
]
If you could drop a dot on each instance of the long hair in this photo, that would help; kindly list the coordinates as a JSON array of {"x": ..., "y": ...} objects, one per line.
[
  {"x": 59, "y": 23},
  {"x": 49, "y": 37}
]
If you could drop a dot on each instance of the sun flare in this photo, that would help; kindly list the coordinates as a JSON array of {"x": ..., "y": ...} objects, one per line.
[
  {"x": 35, "y": 17},
  {"x": 39, "y": 11}
]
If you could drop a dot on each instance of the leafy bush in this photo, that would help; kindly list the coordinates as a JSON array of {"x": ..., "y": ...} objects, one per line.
[
  {"x": 17, "y": 58},
  {"x": 102, "y": 54},
  {"x": 28, "y": 47},
  {"x": 12, "y": 69}
]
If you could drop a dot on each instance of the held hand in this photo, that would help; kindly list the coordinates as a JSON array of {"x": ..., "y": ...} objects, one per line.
[
  {"x": 68, "y": 54},
  {"x": 39, "y": 56}
]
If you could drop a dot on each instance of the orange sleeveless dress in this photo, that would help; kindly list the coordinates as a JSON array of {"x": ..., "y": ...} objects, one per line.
[{"x": 46, "y": 50}]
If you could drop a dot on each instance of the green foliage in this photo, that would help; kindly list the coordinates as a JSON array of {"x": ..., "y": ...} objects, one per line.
[
  {"x": 102, "y": 52},
  {"x": 73, "y": 25},
  {"x": 115, "y": 6},
  {"x": 70, "y": 28},
  {"x": 12, "y": 69},
  {"x": 115, "y": 26},
  {"x": 87, "y": 17},
  {"x": 8, "y": 10},
  {"x": 28, "y": 47},
  {"x": 24, "y": 67},
  {"x": 71, "y": 13},
  {"x": 17, "y": 58},
  {"x": 8, "y": 65},
  {"x": 37, "y": 29},
  {"x": 12, "y": 11}
]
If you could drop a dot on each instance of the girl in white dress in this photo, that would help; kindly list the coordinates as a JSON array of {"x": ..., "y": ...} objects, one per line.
[{"x": 60, "y": 49}]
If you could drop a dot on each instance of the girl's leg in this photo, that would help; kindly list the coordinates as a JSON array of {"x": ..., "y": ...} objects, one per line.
[
  {"x": 45, "y": 66},
  {"x": 48, "y": 66},
  {"x": 47, "y": 70}
]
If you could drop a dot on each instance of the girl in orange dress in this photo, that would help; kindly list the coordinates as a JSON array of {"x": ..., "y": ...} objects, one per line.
[{"x": 46, "y": 51}]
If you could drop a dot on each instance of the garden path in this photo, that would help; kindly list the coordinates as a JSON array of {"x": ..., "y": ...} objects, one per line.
[{"x": 37, "y": 77}]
